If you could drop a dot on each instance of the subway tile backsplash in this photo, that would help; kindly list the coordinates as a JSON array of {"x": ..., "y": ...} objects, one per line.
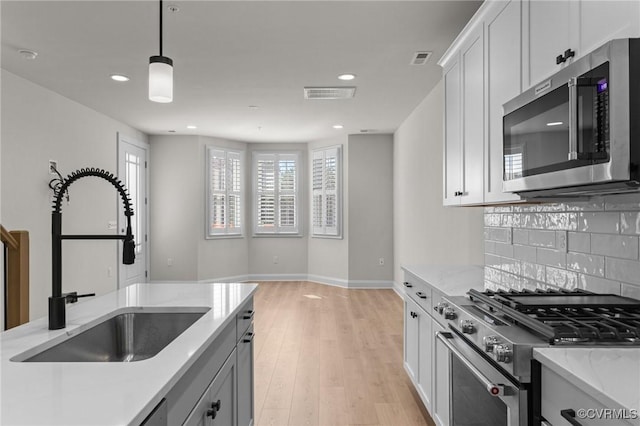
[{"x": 593, "y": 245}]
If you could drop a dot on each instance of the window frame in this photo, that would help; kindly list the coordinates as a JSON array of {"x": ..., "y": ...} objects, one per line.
[
  {"x": 277, "y": 230},
  {"x": 325, "y": 231},
  {"x": 227, "y": 231}
]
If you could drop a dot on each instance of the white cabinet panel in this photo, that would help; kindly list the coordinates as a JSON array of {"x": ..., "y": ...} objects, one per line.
[
  {"x": 441, "y": 357},
  {"x": 601, "y": 21},
  {"x": 504, "y": 51},
  {"x": 411, "y": 338},
  {"x": 452, "y": 135},
  {"x": 549, "y": 36},
  {"x": 425, "y": 344},
  {"x": 473, "y": 120}
]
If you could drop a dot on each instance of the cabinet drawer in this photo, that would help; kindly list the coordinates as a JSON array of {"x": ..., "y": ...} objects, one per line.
[
  {"x": 558, "y": 394},
  {"x": 244, "y": 318},
  {"x": 415, "y": 288}
]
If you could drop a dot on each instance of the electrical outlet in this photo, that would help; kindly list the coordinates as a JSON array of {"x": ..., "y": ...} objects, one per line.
[
  {"x": 109, "y": 271},
  {"x": 381, "y": 261},
  {"x": 170, "y": 261},
  {"x": 275, "y": 260}
]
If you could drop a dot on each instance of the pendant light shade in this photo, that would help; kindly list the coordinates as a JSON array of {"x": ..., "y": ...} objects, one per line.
[
  {"x": 160, "y": 74},
  {"x": 160, "y": 79}
]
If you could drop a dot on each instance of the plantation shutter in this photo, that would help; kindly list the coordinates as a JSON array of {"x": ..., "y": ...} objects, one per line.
[
  {"x": 325, "y": 192},
  {"x": 224, "y": 201},
  {"x": 276, "y": 193}
]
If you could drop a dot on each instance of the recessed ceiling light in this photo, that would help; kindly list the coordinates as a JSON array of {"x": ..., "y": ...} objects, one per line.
[
  {"x": 119, "y": 77},
  {"x": 338, "y": 126},
  {"x": 555, "y": 123},
  {"x": 28, "y": 54},
  {"x": 192, "y": 127},
  {"x": 346, "y": 77}
]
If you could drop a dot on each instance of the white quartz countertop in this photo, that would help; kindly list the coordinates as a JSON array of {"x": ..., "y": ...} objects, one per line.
[
  {"x": 452, "y": 280},
  {"x": 610, "y": 375},
  {"x": 109, "y": 393}
]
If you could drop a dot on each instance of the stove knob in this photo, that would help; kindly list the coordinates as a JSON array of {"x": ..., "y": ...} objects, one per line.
[
  {"x": 467, "y": 326},
  {"x": 503, "y": 353},
  {"x": 490, "y": 342},
  {"x": 440, "y": 307},
  {"x": 449, "y": 313}
]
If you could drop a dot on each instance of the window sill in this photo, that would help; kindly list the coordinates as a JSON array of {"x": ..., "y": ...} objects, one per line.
[{"x": 224, "y": 237}]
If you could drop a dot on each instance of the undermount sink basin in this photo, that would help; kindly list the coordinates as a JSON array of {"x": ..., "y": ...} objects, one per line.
[{"x": 125, "y": 337}]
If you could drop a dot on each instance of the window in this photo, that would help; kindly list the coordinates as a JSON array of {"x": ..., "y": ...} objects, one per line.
[
  {"x": 224, "y": 196},
  {"x": 276, "y": 193},
  {"x": 326, "y": 203}
]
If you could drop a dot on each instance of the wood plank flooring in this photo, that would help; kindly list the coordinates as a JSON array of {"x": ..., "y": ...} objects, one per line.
[{"x": 330, "y": 356}]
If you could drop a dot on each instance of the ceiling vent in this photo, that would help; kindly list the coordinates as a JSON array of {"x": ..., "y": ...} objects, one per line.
[
  {"x": 329, "y": 92},
  {"x": 420, "y": 58}
]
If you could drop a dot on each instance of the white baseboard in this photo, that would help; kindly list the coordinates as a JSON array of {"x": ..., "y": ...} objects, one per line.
[
  {"x": 399, "y": 291},
  {"x": 277, "y": 277}
]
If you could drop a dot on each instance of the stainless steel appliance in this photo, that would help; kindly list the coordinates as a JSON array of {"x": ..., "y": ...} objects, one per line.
[
  {"x": 577, "y": 133},
  {"x": 491, "y": 336}
]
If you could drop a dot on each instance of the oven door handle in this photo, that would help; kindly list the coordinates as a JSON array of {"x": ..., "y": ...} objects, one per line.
[{"x": 494, "y": 389}]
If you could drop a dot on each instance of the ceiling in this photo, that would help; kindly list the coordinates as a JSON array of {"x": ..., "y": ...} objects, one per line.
[{"x": 229, "y": 55}]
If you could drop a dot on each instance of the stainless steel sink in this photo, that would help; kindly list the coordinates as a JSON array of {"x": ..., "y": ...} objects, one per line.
[{"x": 125, "y": 337}]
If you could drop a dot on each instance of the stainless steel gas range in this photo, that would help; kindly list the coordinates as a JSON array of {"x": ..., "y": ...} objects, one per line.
[{"x": 491, "y": 336}]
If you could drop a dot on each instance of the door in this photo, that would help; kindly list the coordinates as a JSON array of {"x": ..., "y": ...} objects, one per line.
[{"x": 133, "y": 171}]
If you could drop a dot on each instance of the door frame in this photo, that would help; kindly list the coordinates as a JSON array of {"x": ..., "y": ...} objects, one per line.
[{"x": 121, "y": 138}]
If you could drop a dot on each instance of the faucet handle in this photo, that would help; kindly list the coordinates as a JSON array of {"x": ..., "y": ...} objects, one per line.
[{"x": 73, "y": 296}]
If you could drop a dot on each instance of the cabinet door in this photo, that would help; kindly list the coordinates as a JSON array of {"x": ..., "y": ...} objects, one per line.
[
  {"x": 217, "y": 407},
  {"x": 452, "y": 134},
  {"x": 441, "y": 359},
  {"x": 504, "y": 53},
  {"x": 425, "y": 354},
  {"x": 603, "y": 21},
  {"x": 245, "y": 379},
  {"x": 411, "y": 338},
  {"x": 549, "y": 35},
  {"x": 472, "y": 61}
]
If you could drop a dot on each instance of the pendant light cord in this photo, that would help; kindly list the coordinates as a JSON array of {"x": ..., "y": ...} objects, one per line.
[{"x": 160, "y": 27}]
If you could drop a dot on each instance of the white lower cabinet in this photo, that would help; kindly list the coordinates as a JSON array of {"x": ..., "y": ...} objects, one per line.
[
  {"x": 441, "y": 379},
  {"x": 245, "y": 379},
  {"x": 217, "y": 407},
  {"x": 561, "y": 400},
  {"x": 426, "y": 364}
]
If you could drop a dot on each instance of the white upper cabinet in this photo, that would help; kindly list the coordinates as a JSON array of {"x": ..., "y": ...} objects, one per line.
[
  {"x": 504, "y": 82},
  {"x": 464, "y": 123},
  {"x": 552, "y": 28},
  {"x": 507, "y": 47}
]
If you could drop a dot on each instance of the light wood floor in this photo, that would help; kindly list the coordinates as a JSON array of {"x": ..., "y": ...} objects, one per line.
[{"x": 331, "y": 356}]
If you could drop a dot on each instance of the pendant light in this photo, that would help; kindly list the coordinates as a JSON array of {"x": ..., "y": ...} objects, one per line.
[{"x": 160, "y": 74}]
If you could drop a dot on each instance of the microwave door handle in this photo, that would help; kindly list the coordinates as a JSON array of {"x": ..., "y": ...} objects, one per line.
[
  {"x": 573, "y": 119},
  {"x": 493, "y": 388}
]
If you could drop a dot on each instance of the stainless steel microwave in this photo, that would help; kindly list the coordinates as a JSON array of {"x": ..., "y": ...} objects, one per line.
[{"x": 578, "y": 132}]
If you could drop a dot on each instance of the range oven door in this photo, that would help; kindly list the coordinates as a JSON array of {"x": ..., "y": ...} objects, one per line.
[{"x": 479, "y": 393}]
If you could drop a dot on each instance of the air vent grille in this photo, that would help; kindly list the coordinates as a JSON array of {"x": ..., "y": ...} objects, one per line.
[
  {"x": 420, "y": 58},
  {"x": 329, "y": 92}
]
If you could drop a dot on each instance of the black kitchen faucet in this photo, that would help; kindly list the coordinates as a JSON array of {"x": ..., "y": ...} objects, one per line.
[{"x": 57, "y": 301}]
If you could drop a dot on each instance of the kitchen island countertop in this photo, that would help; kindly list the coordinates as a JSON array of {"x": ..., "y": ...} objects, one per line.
[
  {"x": 109, "y": 393},
  {"x": 451, "y": 280}
]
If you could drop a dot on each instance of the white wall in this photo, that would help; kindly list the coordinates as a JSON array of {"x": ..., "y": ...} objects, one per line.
[
  {"x": 370, "y": 207},
  {"x": 425, "y": 232},
  {"x": 39, "y": 125}
]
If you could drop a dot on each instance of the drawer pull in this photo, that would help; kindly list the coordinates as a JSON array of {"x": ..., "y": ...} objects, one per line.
[
  {"x": 248, "y": 315},
  {"x": 248, "y": 337},
  {"x": 408, "y": 284},
  {"x": 569, "y": 415},
  {"x": 213, "y": 411},
  {"x": 421, "y": 295}
]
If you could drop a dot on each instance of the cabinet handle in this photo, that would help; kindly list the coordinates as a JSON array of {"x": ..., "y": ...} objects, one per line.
[
  {"x": 414, "y": 315},
  {"x": 213, "y": 411},
  {"x": 458, "y": 194},
  {"x": 421, "y": 295},
  {"x": 407, "y": 284},
  {"x": 564, "y": 57},
  {"x": 560, "y": 59},
  {"x": 249, "y": 337},
  {"x": 569, "y": 415},
  {"x": 248, "y": 315}
]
